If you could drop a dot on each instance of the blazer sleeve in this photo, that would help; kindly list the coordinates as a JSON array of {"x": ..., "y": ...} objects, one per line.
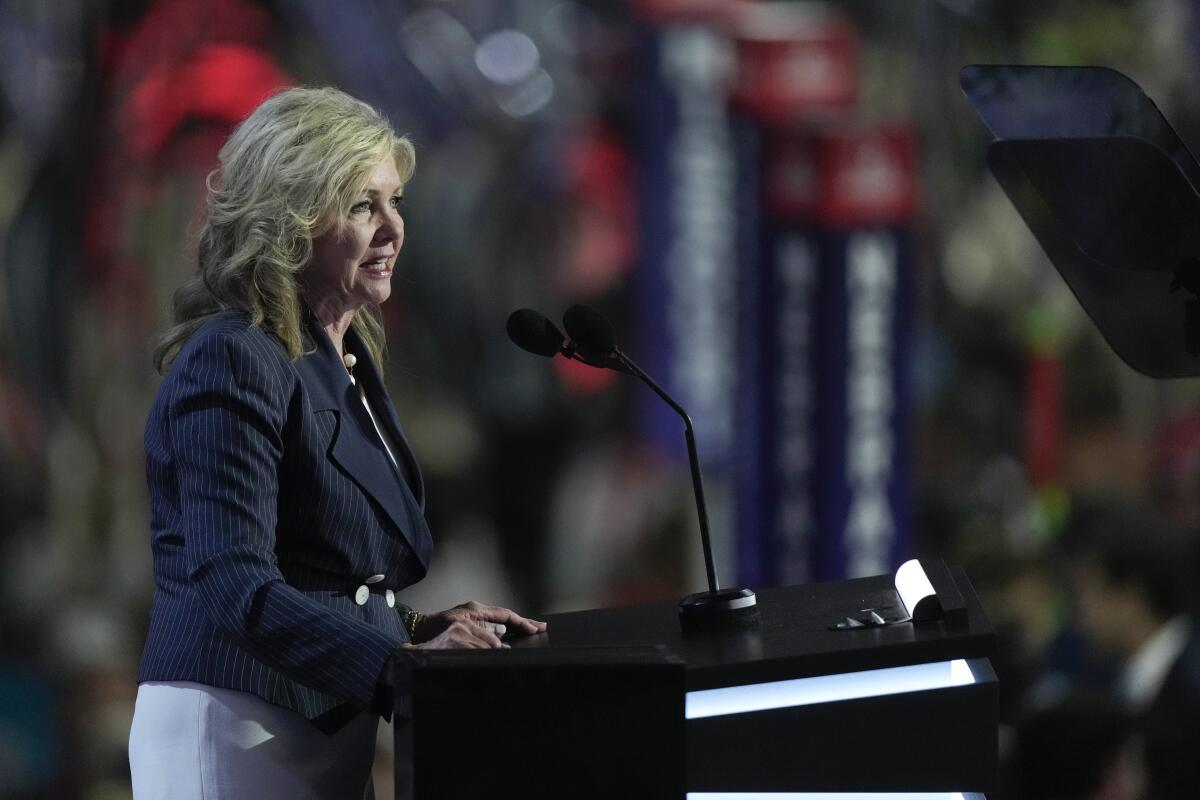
[{"x": 226, "y": 433}]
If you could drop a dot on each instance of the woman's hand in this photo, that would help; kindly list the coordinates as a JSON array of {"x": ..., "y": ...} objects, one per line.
[{"x": 471, "y": 625}]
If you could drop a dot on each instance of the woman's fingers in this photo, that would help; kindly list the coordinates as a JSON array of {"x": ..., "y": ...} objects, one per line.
[
  {"x": 467, "y": 634},
  {"x": 507, "y": 617},
  {"x": 524, "y": 623},
  {"x": 489, "y": 635},
  {"x": 499, "y": 619},
  {"x": 484, "y": 633},
  {"x": 472, "y": 634}
]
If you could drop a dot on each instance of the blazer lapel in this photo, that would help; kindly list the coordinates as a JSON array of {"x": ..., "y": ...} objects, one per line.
[
  {"x": 367, "y": 372},
  {"x": 356, "y": 448}
]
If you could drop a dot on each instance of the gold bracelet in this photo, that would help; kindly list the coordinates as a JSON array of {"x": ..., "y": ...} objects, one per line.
[{"x": 411, "y": 620}]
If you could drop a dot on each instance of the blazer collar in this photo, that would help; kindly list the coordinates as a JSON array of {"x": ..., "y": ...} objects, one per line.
[
  {"x": 362, "y": 457},
  {"x": 322, "y": 371}
]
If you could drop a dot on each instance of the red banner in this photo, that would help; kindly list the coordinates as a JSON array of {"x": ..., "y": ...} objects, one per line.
[
  {"x": 794, "y": 63},
  {"x": 852, "y": 178}
]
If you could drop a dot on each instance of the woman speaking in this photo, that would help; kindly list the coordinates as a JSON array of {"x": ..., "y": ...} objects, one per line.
[{"x": 287, "y": 507}]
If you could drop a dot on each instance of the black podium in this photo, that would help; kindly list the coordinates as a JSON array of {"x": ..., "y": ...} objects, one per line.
[{"x": 619, "y": 702}]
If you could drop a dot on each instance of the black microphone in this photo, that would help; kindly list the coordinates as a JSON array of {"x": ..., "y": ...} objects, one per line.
[
  {"x": 717, "y": 608},
  {"x": 533, "y": 333},
  {"x": 591, "y": 330}
]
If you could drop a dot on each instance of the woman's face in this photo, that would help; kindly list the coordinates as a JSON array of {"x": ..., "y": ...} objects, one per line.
[{"x": 352, "y": 266}]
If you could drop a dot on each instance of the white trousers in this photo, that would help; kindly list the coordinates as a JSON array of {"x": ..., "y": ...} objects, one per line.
[{"x": 195, "y": 742}]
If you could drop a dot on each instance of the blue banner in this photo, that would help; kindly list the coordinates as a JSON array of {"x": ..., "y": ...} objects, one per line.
[
  {"x": 862, "y": 434},
  {"x": 824, "y": 487},
  {"x": 687, "y": 274}
]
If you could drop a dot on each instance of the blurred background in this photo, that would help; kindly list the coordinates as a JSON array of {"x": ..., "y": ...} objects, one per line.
[{"x": 784, "y": 207}]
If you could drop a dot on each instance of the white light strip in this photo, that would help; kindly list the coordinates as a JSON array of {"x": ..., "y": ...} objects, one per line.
[
  {"x": 825, "y": 796},
  {"x": 828, "y": 689}
]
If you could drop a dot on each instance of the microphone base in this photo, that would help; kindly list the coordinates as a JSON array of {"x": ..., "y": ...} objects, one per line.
[{"x": 722, "y": 610}]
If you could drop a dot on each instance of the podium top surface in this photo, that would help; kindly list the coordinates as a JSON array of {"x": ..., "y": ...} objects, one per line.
[{"x": 793, "y": 639}]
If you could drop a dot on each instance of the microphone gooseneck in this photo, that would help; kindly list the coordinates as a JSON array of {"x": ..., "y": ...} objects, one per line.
[
  {"x": 593, "y": 341},
  {"x": 716, "y": 608}
]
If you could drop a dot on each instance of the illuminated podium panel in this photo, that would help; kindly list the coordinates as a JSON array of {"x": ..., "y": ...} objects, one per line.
[{"x": 790, "y": 706}]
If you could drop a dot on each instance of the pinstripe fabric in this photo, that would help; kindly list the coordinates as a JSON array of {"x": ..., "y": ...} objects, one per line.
[{"x": 272, "y": 500}]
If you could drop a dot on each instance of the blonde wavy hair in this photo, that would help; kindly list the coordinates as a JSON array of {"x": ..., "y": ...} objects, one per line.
[{"x": 289, "y": 173}]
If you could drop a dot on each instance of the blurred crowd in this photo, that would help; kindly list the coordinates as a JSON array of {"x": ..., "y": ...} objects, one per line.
[{"x": 1066, "y": 484}]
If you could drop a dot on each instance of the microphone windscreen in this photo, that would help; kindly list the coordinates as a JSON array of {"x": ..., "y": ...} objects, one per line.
[
  {"x": 533, "y": 333},
  {"x": 590, "y": 329}
]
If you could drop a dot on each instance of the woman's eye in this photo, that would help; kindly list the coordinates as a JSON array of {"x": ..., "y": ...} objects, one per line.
[
  {"x": 398, "y": 202},
  {"x": 359, "y": 208}
]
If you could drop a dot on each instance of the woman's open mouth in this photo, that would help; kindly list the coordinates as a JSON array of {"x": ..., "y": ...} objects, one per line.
[{"x": 377, "y": 269}]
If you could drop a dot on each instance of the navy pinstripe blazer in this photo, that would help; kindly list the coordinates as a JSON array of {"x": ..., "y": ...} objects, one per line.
[{"x": 272, "y": 500}]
